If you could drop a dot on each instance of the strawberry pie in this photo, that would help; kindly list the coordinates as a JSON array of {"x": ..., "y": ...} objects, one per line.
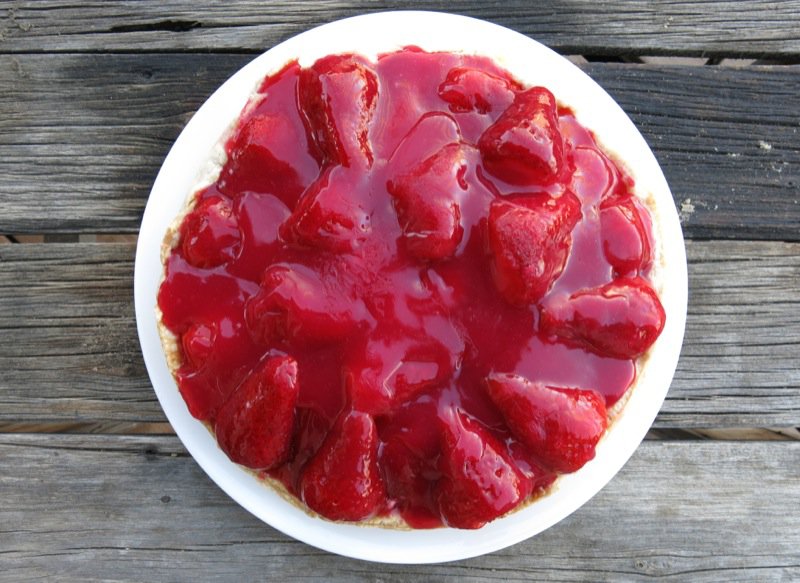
[{"x": 415, "y": 293}]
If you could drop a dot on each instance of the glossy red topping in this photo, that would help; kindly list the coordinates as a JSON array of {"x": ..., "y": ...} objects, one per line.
[{"x": 415, "y": 288}]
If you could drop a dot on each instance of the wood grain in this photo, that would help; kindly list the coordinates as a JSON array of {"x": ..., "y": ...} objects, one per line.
[
  {"x": 726, "y": 138},
  {"x": 90, "y": 508},
  {"x": 661, "y": 27},
  {"x": 75, "y": 354}
]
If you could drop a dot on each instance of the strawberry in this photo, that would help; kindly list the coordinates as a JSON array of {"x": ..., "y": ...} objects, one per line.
[
  {"x": 431, "y": 133},
  {"x": 426, "y": 200},
  {"x": 524, "y": 146},
  {"x": 266, "y": 156},
  {"x": 209, "y": 234},
  {"x": 560, "y": 426},
  {"x": 408, "y": 482},
  {"x": 467, "y": 89},
  {"x": 342, "y": 481},
  {"x": 529, "y": 243},
  {"x": 539, "y": 477},
  {"x": 595, "y": 176},
  {"x": 255, "y": 425},
  {"x": 197, "y": 343},
  {"x": 337, "y": 96},
  {"x": 388, "y": 371},
  {"x": 295, "y": 304},
  {"x": 621, "y": 319},
  {"x": 479, "y": 480},
  {"x": 627, "y": 234},
  {"x": 329, "y": 215}
]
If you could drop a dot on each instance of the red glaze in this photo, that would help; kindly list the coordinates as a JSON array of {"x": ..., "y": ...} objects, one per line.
[{"x": 397, "y": 233}]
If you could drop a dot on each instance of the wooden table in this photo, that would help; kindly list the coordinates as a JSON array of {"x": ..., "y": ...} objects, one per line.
[{"x": 95, "y": 486}]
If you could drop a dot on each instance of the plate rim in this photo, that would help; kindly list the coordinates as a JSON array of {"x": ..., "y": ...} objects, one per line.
[{"x": 374, "y": 543}]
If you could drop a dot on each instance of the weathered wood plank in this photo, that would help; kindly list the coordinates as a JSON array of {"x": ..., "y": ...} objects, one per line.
[
  {"x": 727, "y": 139},
  {"x": 89, "y": 508},
  {"x": 74, "y": 353},
  {"x": 708, "y": 28}
]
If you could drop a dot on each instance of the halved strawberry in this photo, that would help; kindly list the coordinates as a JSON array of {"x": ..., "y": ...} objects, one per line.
[
  {"x": 467, "y": 89},
  {"x": 621, "y": 319},
  {"x": 210, "y": 234},
  {"x": 329, "y": 214},
  {"x": 627, "y": 234},
  {"x": 295, "y": 304},
  {"x": 529, "y": 242},
  {"x": 337, "y": 96},
  {"x": 479, "y": 480},
  {"x": 524, "y": 146},
  {"x": 427, "y": 201},
  {"x": 560, "y": 426},
  {"x": 343, "y": 481},
  {"x": 254, "y": 427}
]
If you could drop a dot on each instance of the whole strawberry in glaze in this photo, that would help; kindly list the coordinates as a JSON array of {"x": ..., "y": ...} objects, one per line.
[
  {"x": 621, "y": 319},
  {"x": 337, "y": 96},
  {"x": 254, "y": 427},
  {"x": 343, "y": 481},
  {"x": 329, "y": 215},
  {"x": 529, "y": 242},
  {"x": 266, "y": 155},
  {"x": 467, "y": 89},
  {"x": 427, "y": 201},
  {"x": 209, "y": 234},
  {"x": 382, "y": 374},
  {"x": 197, "y": 343},
  {"x": 627, "y": 234},
  {"x": 524, "y": 146},
  {"x": 479, "y": 480},
  {"x": 297, "y": 305},
  {"x": 560, "y": 426}
]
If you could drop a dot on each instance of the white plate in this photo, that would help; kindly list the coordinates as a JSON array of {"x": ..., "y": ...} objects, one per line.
[{"x": 530, "y": 62}]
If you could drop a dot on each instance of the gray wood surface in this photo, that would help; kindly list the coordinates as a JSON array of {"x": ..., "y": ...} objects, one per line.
[
  {"x": 706, "y": 28},
  {"x": 75, "y": 354},
  {"x": 93, "y": 487},
  {"x": 92, "y": 508},
  {"x": 726, "y": 138}
]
